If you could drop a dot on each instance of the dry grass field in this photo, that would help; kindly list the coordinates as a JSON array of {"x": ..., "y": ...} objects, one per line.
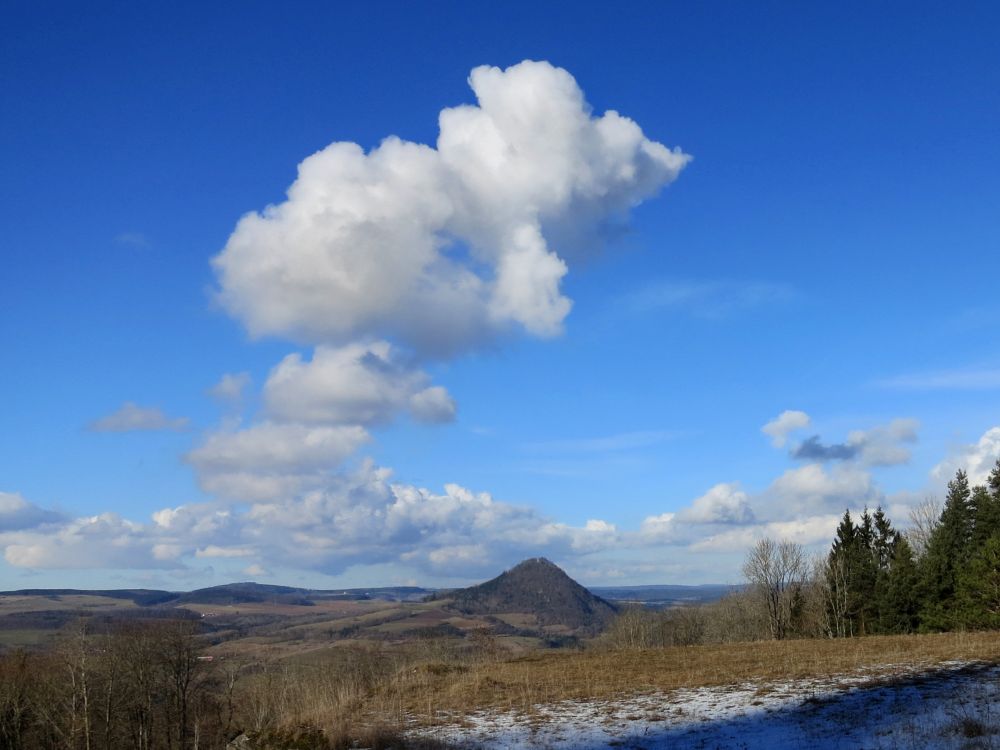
[
  {"x": 416, "y": 687},
  {"x": 548, "y": 677}
]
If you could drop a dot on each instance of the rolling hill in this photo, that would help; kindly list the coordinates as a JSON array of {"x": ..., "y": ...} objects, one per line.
[{"x": 540, "y": 589}]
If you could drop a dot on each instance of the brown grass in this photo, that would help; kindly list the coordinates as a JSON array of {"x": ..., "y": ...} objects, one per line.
[{"x": 599, "y": 675}]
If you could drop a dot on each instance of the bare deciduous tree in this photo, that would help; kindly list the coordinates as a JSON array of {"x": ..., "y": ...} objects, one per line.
[
  {"x": 924, "y": 519},
  {"x": 776, "y": 572}
]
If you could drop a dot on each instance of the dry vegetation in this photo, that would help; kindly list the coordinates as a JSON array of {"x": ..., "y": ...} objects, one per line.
[
  {"x": 329, "y": 696},
  {"x": 442, "y": 681},
  {"x": 605, "y": 674}
]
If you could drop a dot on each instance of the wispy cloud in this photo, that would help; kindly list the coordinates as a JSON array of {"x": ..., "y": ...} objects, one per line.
[
  {"x": 708, "y": 299},
  {"x": 583, "y": 466},
  {"x": 136, "y": 240},
  {"x": 961, "y": 379},
  {"x": 624, "y": 441},
  {"x": 130, "y": 417}
]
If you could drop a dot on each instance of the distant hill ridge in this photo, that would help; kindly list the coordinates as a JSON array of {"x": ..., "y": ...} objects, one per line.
[
  {"x": 541, "y": 588},
  {"x": 246, "y": 592}
]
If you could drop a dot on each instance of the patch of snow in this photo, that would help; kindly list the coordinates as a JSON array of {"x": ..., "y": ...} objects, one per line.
[{"x": 956, "y": 705}]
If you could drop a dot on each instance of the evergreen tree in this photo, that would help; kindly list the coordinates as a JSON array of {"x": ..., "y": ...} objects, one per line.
[
  {"x": 986, "y": 516},
  {"x": 978, "y": 593},
  {"x": 884, "y": 541},
  {"x": 948, "y": 550},
  {"x": 841, "y": 603},
  {"x": 865, "y": 579},
  {"x": 900, "y": 609},
  {"x": 883, "y": 549},
  {"x": 853, "y": 573},
  {"x": 994, "y": 481}
]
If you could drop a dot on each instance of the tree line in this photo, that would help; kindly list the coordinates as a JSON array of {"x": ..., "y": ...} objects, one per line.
[{"x": 942, "y": 575}]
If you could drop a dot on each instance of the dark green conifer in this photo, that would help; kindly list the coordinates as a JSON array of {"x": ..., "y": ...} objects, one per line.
[
  {"x": 865, "y": 578},
  {"x": 986, "y": 516},
  {"x": 978, "y": 594},
  {"x": 884, "y": 539},
  {"x": 994, "y": 481},
  {"x": 901, "y": 607},
  {"x": 841, "y": 607},
  {"x": 947, "y": 552}
]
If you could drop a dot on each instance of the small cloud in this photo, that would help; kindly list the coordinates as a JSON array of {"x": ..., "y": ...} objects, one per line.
[
  {"x": 213, "y": 550},
  {"x": 135, "y": 240},
  {"x": 964, "y": 379},
  {"x": 708, "y": 299},
  {"x": 432, "y": 405},
  {"x": 230, "y": 387},
  {"x": 783, "y": 425},
  {"x": 883, "y": 445},
  {"x": 812, "y": 449},
  {"x": 257, "y": 571},
  {"x": 366, "y": 383},
  {"x": 723, "y": 504},
  {"x": 131, "y": 417}
]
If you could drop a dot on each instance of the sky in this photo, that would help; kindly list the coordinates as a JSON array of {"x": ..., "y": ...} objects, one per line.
[{"x": 389, "y": 293}]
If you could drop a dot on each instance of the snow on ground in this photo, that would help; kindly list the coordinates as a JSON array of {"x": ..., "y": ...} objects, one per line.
[{"x": 957, "y": 705}]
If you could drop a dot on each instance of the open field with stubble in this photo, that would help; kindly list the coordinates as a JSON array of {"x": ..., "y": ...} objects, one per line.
[
  {"x": 879, "y": 692},
  {"x": 883, "y": 692},
  {"x": 547, "y": 677}
]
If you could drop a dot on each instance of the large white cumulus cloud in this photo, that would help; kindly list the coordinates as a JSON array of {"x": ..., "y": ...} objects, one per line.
[{"x": 440, "y": 247}]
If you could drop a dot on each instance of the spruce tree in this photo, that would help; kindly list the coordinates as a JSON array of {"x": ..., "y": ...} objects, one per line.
[
  {"x": 994, "y": 481},
  {"x": 865, "y": 579},
  {"x": 978, "y": 594},
  {"x": 986, "y": 516},
  {"x": 853, "y": 573},
  {"x": 883, "y": 549},
  {"x": 885, "y": 539},
  {"x": 839, "y": 573},
  {"x": 901, "y": 607},
  {"x": 947, "y": 552}
]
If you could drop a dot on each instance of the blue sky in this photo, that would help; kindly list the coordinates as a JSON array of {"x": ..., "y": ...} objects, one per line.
[{"x": 829, "y": 248}]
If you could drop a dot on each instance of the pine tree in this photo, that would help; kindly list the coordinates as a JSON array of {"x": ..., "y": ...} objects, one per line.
[{"x": 947, "y": 552}]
